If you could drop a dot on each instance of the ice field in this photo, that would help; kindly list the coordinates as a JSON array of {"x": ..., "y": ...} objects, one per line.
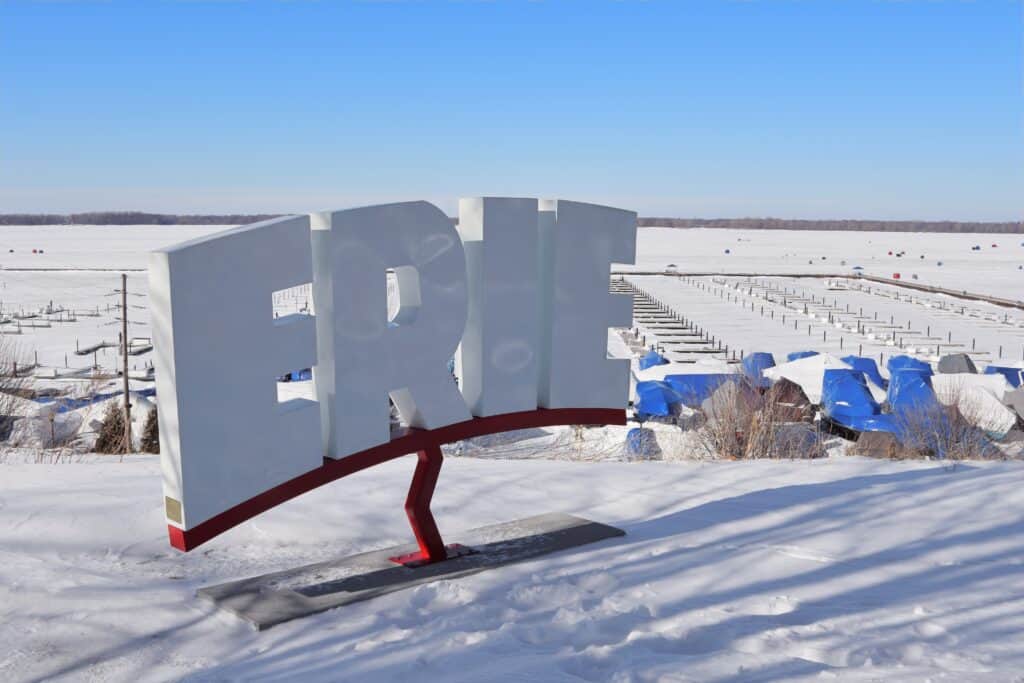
[
  {"x": 840, "y": 316},
  {"x": 838, "y": 568},
  {"x": 79, "y": 269},
  {"x": 995, "y": 269},
  {"x": 77, "y": 275}
]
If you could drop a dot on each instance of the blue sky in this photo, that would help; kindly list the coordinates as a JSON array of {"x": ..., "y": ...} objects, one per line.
[{"x": 812, "y": 109}]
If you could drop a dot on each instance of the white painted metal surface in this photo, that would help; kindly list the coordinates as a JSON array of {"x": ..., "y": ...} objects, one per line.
[
  {"x": 579, "y": 242},
  {"x": 218, "y": 351},
  {"x": 498, "y": 356},
  {"x": 361, "y": 358}
]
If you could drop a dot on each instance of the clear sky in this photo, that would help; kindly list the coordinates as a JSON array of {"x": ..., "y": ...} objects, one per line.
[{"x": 814, "y": 109}]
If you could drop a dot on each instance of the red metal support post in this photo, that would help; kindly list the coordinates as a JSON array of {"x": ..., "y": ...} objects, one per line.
[{"x": 417, "y": 507}]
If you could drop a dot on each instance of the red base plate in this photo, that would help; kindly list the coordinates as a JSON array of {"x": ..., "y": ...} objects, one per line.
[{"x": 418, "y": 559}]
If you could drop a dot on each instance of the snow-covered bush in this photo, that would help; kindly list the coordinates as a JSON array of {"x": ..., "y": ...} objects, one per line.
[
  {"x": 45, "y": 428},
  {"x": 944, "y": 432},
  {"x": 744, "y": 422},
  {"x": 12, "y": 388}
]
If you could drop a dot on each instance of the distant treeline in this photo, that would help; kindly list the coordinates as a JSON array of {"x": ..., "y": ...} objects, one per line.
[
  {"x": 854, "y": 226},
  {"x": 129, "y": 218},
  {"x": 142, "y": 218}
]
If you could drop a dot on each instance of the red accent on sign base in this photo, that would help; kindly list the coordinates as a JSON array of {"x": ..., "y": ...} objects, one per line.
[
  {"x": 425, "y": 443},
  {"x": 418, "y": 559}
]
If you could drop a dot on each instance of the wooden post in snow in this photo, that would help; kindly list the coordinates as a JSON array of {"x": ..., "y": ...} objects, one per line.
[{"x": 124, "y": 364}]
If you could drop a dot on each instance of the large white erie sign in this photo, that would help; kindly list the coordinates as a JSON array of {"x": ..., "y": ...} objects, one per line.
[{"x": 517, "y": 293}]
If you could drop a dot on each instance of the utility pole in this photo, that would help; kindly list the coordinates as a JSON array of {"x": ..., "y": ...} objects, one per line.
[{"x": 124, "y": 364}]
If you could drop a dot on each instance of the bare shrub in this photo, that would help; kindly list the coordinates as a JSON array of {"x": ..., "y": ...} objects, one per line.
[
  {"x": 64, "y": 429},
  {"x": 40, "y": 456},
  {"x": 943, "y": 432},
  {"x": 15, "y": 385},
  {"x": 743, "y": 423},
  {"x": 150, "y": 433},
  {"x": 959, "y": 424},
  {"x": 877, "y": 445},
  {"x": 111, "y": 436}
]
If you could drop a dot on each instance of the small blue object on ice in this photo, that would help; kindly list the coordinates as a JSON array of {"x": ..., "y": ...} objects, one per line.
[
  {"x": 897, "y": 363},
  {"x": 1012, "y": 375},
  {"x": 797, "y": 355},
  {"x": 845, "y": 393},
  {"x": 297, "y": 376},
  {"x": 66, "y": 404},
  {"x": 656, "y": 399},
  {"x": 868, "y": 367},
  {"x": 652, "y": 358},
  {"x": 695, "y": 389},
  {"x": 754, "y": 366},
  {"x": 910, "y": 391},
  {"x": 846, "y": 400},
  {"x": 641, "y": 442}
]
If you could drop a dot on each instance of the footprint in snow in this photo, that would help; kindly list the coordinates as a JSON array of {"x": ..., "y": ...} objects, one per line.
[
  {"x": 774, "y": 606},
  {"x": 935, "y": 632},
  {"x": 441, "y": 594}
]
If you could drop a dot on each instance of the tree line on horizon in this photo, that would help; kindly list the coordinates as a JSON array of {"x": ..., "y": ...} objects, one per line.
[
  {"x": 144, "y": 218},
  {"x": 844, "y": 225},
  {"x": 130, "y": 218}
]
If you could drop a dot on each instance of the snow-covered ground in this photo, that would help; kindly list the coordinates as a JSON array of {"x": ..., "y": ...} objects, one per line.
[
  {"x": 844, "y": 569},
  {"x": 840, "y": 568}
]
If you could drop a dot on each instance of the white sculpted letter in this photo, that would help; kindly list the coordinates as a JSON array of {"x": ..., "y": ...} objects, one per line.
[
  {"x": 579, "y": 242},
  {"x": 362, "y": 358},
  {"x": 218, "y": 351},
  {"x": 499, "y": 351}
]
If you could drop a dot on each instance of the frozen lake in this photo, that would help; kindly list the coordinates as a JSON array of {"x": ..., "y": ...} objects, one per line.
[
  {"x": 992, "y": 270},
  {"x": 78, "y": 270}
]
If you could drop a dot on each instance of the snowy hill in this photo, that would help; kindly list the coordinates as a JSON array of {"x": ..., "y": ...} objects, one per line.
[{"x": 752, "y": 571}]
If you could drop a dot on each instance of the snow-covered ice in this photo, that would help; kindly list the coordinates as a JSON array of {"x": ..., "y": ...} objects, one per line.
[
  {"x": 80, "y": 267},
  {"x": 842, "y": 317},
  {"x": 800, "y": 251},
  {"x": 846, "y": 569}
]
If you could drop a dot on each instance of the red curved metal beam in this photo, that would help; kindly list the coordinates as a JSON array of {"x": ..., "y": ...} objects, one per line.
[{"x": 412, "y": 441}]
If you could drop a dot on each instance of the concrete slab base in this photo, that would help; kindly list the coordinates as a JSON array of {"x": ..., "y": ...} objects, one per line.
[{"x": 272, "y": 599}]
